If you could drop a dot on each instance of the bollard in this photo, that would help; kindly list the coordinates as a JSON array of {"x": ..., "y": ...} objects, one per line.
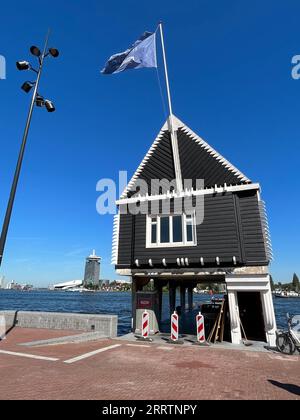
[
  {"x": 174, "y": 330},
  {"x": 145, "y": 325},
  {"x": 200, "y": 330},
  {"x": 145, "y": 328},
  {"x": 174, "y": 326}
]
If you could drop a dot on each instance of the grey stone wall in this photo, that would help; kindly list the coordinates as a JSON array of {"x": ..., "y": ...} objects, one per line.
[{"x": 104, "y": 324}]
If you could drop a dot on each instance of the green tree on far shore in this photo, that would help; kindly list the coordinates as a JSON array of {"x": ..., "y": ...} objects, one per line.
[
  {"x": 272, "y": 283},
  {"x": 92, "y": 286}
]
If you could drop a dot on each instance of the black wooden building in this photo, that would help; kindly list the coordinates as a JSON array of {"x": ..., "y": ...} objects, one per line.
[{"x": 226, "y": 241}]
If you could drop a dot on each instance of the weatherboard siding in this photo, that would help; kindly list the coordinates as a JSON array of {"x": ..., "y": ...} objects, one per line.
[
  {"x": 198, "y": 163},
  {"x": 125, "y": 239},
  {"x": 160, "y": 165},
  {"x": 231, "y": 227},
  {"x": 254, "y": 244}
]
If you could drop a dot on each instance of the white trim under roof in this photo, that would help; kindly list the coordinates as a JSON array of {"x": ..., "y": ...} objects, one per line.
[
  {"x": 179, "y": 124},
  {"x": 115, "y": 242},
  {"x": 266, "y": 230},
  {"x": 188, "y": 193}
]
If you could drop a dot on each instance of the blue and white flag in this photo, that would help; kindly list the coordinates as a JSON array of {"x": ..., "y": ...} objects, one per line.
[{"x": 141, "y": 54}]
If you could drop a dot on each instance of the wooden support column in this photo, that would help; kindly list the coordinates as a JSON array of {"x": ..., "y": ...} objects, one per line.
[
  {"x": 182, "y": 298},
  {"x": 190, "y": 298},
  {"x": 158, "y": 286},
  {"x": 172, "y": 297}
]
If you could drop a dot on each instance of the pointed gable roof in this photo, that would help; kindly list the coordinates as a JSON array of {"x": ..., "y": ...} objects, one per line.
[{"x": 198, "y": 160}]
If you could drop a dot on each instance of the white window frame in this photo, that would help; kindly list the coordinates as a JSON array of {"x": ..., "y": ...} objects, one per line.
[{"x": 169, "y": 244}]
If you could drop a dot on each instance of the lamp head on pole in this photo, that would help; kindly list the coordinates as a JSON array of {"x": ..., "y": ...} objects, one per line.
[
  {"x": 53, "y": 52},
  {"x": 27, "y": 86},
  {"x": 49, "y": 105},
  {"x": 35, "y": 51},
  {"x": 40, "y": 101},
  {"x": 23, "y": 65}
]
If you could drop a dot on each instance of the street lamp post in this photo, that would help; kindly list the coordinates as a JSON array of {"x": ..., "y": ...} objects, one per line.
[{"x": 37, "y": 100}]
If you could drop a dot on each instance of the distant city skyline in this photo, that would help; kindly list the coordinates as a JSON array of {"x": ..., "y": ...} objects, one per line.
[{"x": 231, "y": 80}]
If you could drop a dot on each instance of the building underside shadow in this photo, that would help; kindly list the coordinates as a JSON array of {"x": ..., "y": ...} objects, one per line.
[{"x": 10, "y": 328}]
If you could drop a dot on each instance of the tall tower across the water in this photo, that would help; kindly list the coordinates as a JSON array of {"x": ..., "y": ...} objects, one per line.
[{"x": 92, "y": 270}]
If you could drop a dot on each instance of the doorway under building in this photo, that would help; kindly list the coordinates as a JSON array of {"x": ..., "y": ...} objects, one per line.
[{"x": 251, "y": 315}]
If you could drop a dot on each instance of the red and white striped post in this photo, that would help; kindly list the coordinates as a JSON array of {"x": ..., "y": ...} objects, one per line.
[
  {"x": 200, "y": 328},
  {"x": 145, "y": 325},
  {"x": 174, "y": 326}
]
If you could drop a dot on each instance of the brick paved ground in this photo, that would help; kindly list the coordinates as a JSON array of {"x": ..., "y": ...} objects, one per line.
[{"x": 155, "y": 372}]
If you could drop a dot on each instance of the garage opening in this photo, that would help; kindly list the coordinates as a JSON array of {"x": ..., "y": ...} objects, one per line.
[{"x": 251, "y": 314}]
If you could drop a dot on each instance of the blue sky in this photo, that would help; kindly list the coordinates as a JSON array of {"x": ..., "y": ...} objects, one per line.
[{"x": 230, "y": 73}]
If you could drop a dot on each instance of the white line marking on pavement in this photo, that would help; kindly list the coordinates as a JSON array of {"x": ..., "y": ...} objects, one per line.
[
  {"x": 138, "y": 345},
  {"x": 285, "y": 359},
  {"x": 253, "y": 355},
  {"x": 92, "y": 353},
  {"x": 29, "y": 356},
  {"x": 165, "y": 348}
]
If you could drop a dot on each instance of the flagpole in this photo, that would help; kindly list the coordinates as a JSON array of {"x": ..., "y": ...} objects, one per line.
[
  {"x": 171, "y": 119},
  {"x": 166, "y": 73}
]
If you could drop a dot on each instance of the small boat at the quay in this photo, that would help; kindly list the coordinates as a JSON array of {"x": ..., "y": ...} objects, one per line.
[{"x": 284, "y": 294}]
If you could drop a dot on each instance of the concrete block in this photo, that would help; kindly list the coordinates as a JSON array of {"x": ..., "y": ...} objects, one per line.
[{"x": 104, "y": 324}]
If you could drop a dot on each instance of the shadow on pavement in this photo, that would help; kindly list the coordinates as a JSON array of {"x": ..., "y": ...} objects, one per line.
[
  {"x": 293, "y": 389},
  {"x": 10, "y": 328}
]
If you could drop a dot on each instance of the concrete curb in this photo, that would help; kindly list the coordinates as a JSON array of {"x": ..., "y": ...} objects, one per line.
[
  {"x": 78, "y": 338},
  {"x": 104, "y": 324}
]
